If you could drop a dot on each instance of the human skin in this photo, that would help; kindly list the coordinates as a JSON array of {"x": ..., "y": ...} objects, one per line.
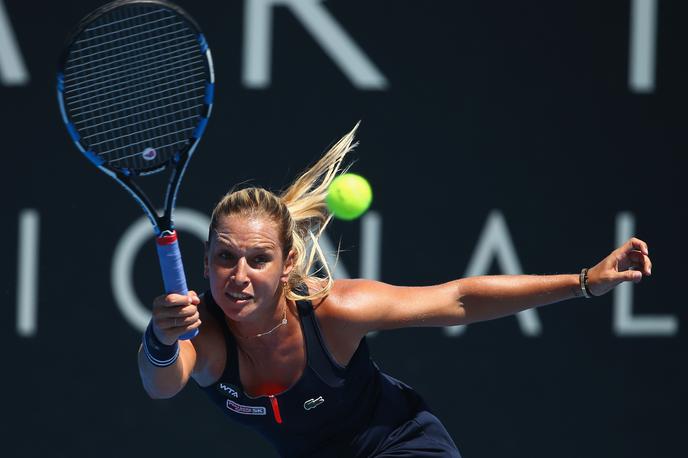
[{"x": 246, "y": 266}]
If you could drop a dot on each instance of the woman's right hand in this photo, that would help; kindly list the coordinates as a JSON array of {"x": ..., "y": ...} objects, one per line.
[{"x": 174, "y": 315}]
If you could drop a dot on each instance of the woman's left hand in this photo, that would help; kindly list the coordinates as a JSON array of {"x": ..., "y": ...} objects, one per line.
[{"x": 629, "y": 262}]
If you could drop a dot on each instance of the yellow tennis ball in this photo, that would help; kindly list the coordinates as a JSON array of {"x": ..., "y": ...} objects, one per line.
[{"x": 349, "y": 196}]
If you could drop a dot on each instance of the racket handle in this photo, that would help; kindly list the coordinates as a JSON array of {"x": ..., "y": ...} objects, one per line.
[{"x": 173, "y": 269}]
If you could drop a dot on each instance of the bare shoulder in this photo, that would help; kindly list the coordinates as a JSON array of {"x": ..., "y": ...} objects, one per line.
[
  {"x": 210, "y": 347},
  {"x": 354, "y": 307},
  {"x": 361, "y": 306},
  {"x": 341, "y": 317},
  {"x": 350, "y": 297},
  {"x": 349, "y": 304},
  {"x": 340, "y": 299}
]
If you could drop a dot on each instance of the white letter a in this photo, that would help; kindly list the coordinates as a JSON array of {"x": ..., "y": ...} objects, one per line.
[
  {"x": 12, "y": 69},
  {"x": 495, "y": 242}
]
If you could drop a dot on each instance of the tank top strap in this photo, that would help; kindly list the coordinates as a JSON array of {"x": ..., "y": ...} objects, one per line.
[
  {"x": 319, "y": 358},
  {"x": 231, "y": 371}
]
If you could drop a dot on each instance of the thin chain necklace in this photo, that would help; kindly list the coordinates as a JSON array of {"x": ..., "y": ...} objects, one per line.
[{"x": 283, "y": 322}]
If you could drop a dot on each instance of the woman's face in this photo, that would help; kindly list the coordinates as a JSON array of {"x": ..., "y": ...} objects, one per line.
[{"x": 245, "y": 264}]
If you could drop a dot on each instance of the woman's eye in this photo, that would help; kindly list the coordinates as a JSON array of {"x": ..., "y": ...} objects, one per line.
[{"x": 261, "y": 260}]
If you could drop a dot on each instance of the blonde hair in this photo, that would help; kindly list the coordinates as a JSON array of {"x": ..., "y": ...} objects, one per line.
[{"x": 301, "y": 214}]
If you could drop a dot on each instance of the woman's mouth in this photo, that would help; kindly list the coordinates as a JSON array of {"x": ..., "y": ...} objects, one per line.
[{"x": 239, "y": 298}]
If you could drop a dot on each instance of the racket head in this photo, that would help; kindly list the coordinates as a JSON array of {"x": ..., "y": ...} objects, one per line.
[{"x": 135, "y": 86}]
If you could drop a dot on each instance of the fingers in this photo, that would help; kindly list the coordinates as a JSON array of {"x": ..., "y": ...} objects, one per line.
[
  {"x": 176, "y": 300},
  {"x": 175, "y": 315},
  {"x": 635, "y": 255},
  {"x": 183, "y": 326},
  {"x": 636, "y": 244},
  {"x": 640, "y": 262},
  {"x": 629, "y": 262},
  {"x": 631, "y": 275},
  {"x": 181, "y": 311},
  {"x": 179, "y": 320}
]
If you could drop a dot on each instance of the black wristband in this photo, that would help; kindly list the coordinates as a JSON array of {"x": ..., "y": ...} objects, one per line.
[
  {"x": 584, "y": 284},
  {"x": 158, "y": 353}
]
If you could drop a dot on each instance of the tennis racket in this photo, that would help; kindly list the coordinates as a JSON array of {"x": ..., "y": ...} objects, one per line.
[{"x": 135, "y": 88}]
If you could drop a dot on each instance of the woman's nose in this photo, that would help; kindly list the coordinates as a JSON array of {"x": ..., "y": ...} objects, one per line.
[{"x": 240, "y": 272}]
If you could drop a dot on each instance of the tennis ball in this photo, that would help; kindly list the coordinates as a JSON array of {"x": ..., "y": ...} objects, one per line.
[{"x": 349, "y": 196}]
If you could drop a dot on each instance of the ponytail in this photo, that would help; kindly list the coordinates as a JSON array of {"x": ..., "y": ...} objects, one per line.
[{"x": 301, "y": 213}]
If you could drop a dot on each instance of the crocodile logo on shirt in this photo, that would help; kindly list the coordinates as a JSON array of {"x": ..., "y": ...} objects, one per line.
[{"x": 313, "y": 403}]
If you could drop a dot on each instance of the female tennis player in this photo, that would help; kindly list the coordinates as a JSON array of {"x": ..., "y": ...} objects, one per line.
[{"x": 284, "y": 352}]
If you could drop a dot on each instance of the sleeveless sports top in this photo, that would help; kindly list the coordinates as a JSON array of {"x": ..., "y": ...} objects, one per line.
[{"x": 330, "y": 411}]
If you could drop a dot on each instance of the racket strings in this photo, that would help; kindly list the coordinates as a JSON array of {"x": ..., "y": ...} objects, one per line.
[
  {"x": 170, "y": 54},
  {"x": 109, "y": 43},
  {"x": 134, "y": 86},
  {"x": 159, "y": 81},
  {"x": 114, "y": 161},
  {"x": 141, "y": 131},
  {"x": 109, "y": 62},
  {"x": 160, "y": 72},
  {"x": 83, "y": 125},
  {"x": 129, "y": 77},
  {"x": 112, "y": 23},
  {"x": 126, "y": 97}
]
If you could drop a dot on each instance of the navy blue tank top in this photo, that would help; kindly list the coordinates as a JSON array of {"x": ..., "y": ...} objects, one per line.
[{"x": 330, "y": 411}]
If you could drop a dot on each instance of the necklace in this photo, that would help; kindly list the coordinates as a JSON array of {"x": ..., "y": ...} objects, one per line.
[{"x": 283, "y": 322}]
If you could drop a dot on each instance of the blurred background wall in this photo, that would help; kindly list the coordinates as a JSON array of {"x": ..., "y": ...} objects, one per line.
[{"x": 499, "y": 137}]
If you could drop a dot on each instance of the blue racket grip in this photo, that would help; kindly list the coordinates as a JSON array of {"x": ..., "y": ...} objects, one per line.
[{"x": 173, "y": 269}]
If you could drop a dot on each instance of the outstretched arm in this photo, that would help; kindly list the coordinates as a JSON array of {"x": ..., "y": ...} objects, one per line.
[{"x": 369, "y": 305}]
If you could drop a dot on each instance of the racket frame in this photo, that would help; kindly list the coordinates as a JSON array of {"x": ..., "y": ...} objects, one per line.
[{"x": 163, "y": 224}]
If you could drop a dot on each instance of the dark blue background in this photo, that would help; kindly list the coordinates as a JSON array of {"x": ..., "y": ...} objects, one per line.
[{"x": 522, "y": 107}]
